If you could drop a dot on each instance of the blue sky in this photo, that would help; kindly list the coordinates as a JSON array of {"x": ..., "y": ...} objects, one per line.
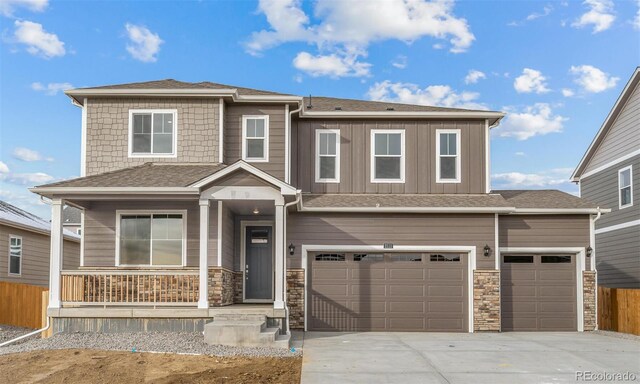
[{"x": 556, "y": 67}]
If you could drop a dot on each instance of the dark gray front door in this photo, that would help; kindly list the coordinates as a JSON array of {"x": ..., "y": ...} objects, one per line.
[{"x": 258, "y": 269}]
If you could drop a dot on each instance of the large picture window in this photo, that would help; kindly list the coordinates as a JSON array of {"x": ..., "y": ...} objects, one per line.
[
  {"x": 152, "y": 133},
  {"x": 255, "y": 138},
  {"x": 448, "y": 156},
  {"x": 387, "y": 160},
  {"x": 152, "y": 239},
  {"x": 15, "y": 255},
  {"x": 625, "y": 185},
  {"x": 327, "y": 156}
]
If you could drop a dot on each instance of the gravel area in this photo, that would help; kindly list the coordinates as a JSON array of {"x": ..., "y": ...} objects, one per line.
[
  {"x": 176, "y": 342},
  {"x": 8, "y": 332},
  {"x": 619, "y": 335}
]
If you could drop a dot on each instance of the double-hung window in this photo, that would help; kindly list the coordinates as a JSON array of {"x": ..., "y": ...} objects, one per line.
[
  {"x": 448, "y": 156},
  {"x": 255, "y": 138},
  {"x": 625, "y": 186},
  {"x": 154, "y": 239},
  {"x": 15, "y": 255},
  {"x": 387, "y": 156},
  {"x": 152, "y": 133},
  {"x": 328, "y": 156}
]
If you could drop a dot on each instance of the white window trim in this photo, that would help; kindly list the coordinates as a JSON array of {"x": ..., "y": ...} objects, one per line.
[
  {"x": 630, "y": 169},
  {"x": 372, "y": 159},
  {"x": 9, "y": 256},
  {"x": 183, "y": 212},
  {"x": 174, "y": 153},
  {"x": 264, "y": 159},
  {"x": 337, "y": 156},
  {"x": 458, "y": 157}
]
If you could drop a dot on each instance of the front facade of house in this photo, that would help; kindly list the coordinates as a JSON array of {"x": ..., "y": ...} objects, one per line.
[
  {"x": 201, "y": 201},
  {"x": 609, "y": 175}
]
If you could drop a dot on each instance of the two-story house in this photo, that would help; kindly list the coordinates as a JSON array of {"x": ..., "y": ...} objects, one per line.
[
  {"x": 247, "y": 213},
  {"x": 609, "y": 175}
]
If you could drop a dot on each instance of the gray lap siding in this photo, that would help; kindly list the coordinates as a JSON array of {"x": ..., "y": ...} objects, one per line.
[{"x": 618, "y": 258}]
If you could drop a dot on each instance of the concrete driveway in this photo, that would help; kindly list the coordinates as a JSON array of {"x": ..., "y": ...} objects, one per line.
[{"x": 464, "y": 358}]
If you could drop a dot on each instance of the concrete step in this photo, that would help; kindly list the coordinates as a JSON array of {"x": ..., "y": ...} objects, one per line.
[
  {"x": 282, "y": 341},
  {"x": 244, "y": 331},
  {"x": 240, "y": 316}
]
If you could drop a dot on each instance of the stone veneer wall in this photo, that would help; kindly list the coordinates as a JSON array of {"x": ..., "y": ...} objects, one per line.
[
  {"x": 486, "y": 300},
  {"x": 589, "y": 291},
  {"x": 237, "y": 288},
  {"x": 295, "y": 298},
  {"x": 221, "y": 287}
]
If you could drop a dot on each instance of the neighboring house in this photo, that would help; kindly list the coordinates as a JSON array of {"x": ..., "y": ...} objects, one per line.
[
  {"x": 25, "y": 246},
  {"x": 321, "y": 213},
  {"x": 72, "y": 219},
  {"x": 609, "y": 175}
]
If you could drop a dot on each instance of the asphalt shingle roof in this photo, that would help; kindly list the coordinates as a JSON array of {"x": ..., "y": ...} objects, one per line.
[
  {"x": 11, "y": 214},
  {"x": 333, "y": 104},
  {"x": 402, "y": 200},
  {"x": 546, "y": 198},
  {"x": 175, "y": 84}
]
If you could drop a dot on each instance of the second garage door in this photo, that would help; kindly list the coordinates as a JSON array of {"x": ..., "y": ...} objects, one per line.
[{"x": 388, "y": 292}]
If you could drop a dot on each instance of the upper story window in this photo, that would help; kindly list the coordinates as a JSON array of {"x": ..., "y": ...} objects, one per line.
[
  {"x": 255, "y": 138},
  {"x": 156, "y": 239},
  {"x": 327, "y": 155},
  {"x": 448, "y": 156},
  {"x": 387, "y": 156},
  {"x": 15, "y": 255},
  {"x": 152, "y": 133},
  {"x": 625, "y": 186}
]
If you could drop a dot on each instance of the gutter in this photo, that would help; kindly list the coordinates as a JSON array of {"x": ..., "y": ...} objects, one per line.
[
  {"x": 504, "y": 210},
  {"x": 284, "y": 242},
  {"x": 561, "y": 211},
  {"x": 107, "y": 190}
]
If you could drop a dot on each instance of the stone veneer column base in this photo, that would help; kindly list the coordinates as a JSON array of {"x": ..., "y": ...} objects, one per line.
[
  {"x": 295, "y": 298},
  {"x": 221, "y": 287},
  {"x": 486, "y": 300},
  {"x": 589, "y": 293}
]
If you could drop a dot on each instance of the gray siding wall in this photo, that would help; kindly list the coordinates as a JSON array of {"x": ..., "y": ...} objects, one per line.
[
  {"x": 108, "y": 131},
  {"x": 233, "y": 135},
  {"x": 602, "y": 189},
  {"x": 623, "y": 136},
  {"x": 36, "y": 249},
  {"x": 618, "y": 258},
  {"x": 100, "y": 230},
  {"x": 400, "y": 229},
  {"x": 420, "y": 156}
]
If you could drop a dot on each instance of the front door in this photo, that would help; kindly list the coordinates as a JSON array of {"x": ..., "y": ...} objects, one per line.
[{"x": 258, "y": 267}]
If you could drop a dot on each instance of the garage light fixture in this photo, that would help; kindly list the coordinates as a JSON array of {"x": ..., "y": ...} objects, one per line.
[
  {"x": 589, "y": 251},
  {"x": 487, "y": 250},
  {"x": 292, "y": 249}
]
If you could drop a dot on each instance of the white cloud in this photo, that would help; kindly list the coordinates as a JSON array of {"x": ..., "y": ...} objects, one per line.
[
  {"x": 36, "y": 178},
  {"x": 4, "y": 168},
  {"x": 29, "y": 155},
  {"x": 549, "y": 178},
  {"x": 535, "y": 120},
  {"x": 600, "y": 15},
  {"x": 520, "y": 154},
  {"x": 400, "y": 62},
  {"x": 636, "y": 20},
  {"x": 546, "y": 11},
  {"x": 332, "y": 65},
  {"x": 38, "y": 41},
  {"x": 474, "y": 76},
  {"x": 51, "y": 89},
  {"x": 592, "y": 79},
  {"x": 8, "y": 7},
  {"x": 566, "y": 92},
  {"x": 144, "y": 45},
  {"x": 531, "y": 80},
  {"x": 436, "y": 95}
]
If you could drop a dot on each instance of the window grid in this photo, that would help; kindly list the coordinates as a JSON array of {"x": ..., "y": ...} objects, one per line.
[
  {"x": 158, "y": 127},
  {"x": 448, "y": 155},
  {"x": 155, "y": 237},
  {"x": 387, "y": 144},
  {"x": 327, "y": 148},
  {"x": 255, "y": 130}
]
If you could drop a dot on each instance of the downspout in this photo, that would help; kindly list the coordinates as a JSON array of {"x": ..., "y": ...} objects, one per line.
[
  {"x": 592, "y": 240},
  {"x": 46, "y": 327},
  {"x": 287, "y": 149},
  {"x": 284, "y": 241}
]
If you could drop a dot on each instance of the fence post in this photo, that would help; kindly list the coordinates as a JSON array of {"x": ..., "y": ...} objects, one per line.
[{"x": 45, "y": 304}]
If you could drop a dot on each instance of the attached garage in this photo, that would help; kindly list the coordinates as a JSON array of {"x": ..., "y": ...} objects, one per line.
[
  {"x": 538, "y": 292},
  {"x": 396, "y": 291}
]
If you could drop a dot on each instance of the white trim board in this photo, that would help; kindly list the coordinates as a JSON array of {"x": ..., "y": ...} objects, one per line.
[
  {"x": 9, "y": 273},
  {"x": 83, "y": 144},
  {"x": 630, "y": 186},
  {"x": 317, "y": 155},
  {"x": 265, "y": 138},
  {"x": 471, "y": 265},
  {"x": 616, "y": 227},
  {"x": 458, "y": 156},
  {"x": 174, "y": 143},
  {"x": 609, "y": 164},
  {"x": 221, "y": 131},
  {"x": 372, "y": 156},
  {"x": 580, "y": 268},
  {"x": 285, "y": 188}
]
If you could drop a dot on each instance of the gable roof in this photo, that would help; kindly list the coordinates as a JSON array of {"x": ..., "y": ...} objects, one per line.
[
  {"x": 606, "y": 126},
  {"x": 15, "y": 217},
  {"x": 176, "y": 84},
  {"x": 71, "y": 215}
]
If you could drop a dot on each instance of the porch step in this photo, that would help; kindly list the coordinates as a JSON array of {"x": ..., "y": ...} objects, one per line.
[{"x": 244, "y": 331}]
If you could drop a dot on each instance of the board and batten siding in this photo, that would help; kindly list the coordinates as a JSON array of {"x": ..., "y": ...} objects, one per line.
[
  {"x": 36, "y": 248},
  {"x": 420, "y": 156},
  {"x": 618, "y": 258},
  {"x": 400, "y": 229},
  {"x": 108, "y": 132},
  {"x": 100, "y": 230},
  {"x": 233, "y": 136},
  {"x": 623, "y": 136}
]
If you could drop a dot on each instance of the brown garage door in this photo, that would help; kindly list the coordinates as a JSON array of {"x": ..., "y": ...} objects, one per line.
[
  {"x": 387, "y": 292},
  {"x": 538, "y": 293}
]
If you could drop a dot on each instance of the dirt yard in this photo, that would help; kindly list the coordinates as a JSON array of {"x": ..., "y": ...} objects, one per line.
[{"x": 92, "y": 366}]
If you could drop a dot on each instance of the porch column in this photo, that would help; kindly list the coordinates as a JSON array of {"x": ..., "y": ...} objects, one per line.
[
  {"x": 278, "y": 302},
  {"x": 56, "y": 253},
  {"x": 203, "y": 300}
]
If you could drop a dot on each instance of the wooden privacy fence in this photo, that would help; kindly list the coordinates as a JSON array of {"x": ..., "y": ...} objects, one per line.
[
  {"x": 23, "y": 305},
  {"x": 619, "y": 310}
]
